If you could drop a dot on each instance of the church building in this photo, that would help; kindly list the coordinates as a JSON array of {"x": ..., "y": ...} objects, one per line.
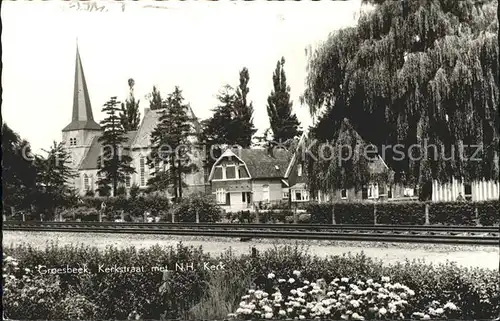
[{"x": 80, "y": 138}]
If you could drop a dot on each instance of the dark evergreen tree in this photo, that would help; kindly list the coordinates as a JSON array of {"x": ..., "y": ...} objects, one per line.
[
  {"x": 415, "y": 73},
  {"x": 284, "y": 124},
  {"x": 53, "y": 175},
  {"x": 18, "y": 172},
  {"x": 113, "y": 163},
  {"x": 242, "y": 128},
  {"x": 231, "y": 123},
  {"x": 156, "y": 101},
  {"x": 130, "y": 117},
  {"x": 171, "y": 146}
]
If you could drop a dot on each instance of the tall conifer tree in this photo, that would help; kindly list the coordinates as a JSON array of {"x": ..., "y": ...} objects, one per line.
[
  {"x": 284, "y": 124},
  {"x": 113, "y": 163}
]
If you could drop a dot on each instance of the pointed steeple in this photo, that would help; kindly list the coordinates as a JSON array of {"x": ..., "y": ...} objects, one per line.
[{"x": 82, "y": 109}]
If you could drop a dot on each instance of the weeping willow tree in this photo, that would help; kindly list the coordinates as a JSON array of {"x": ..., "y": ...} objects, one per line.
[{"x": 418, "y": 79}]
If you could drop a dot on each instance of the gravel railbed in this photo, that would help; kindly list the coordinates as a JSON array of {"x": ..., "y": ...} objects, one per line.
[{"x": 389, "y": 252}]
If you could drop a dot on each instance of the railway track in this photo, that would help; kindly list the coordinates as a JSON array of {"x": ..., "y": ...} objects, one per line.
[{"x": 378, "y": 233}]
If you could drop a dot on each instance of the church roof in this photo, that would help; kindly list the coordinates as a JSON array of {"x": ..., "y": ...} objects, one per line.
[
  {"x": 82, "y": 109},
  {"x": 148, "y": 124},
  {"x": 92, "y": 156}
]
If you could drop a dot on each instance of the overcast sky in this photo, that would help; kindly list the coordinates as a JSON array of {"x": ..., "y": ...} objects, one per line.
[{"x": 199, "y": 46}]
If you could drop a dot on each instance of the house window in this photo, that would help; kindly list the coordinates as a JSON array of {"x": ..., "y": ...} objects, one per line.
[
  {"x": 72, "y": 141},
  {"x": 408, "y": 192},
  {"x": 299, "y": 170},
  {"x": 86, "y": 182},
  {"x": 127, "y": 180},
  {"x": 157, "y": 166},
  {"x": 218, "y": 172},
  {"x": 265, "y": 193},
  {"x": 230, "y": 171},
  {"x": 242, "y": 172},
  {"x": 220, "y": 195},
  {"x": 300, "y": 196},
  {"x": 468, "y": 191},
  {"x": 389, "y": 192},
  {"x": 343, "y": 194},
  {"x": 373, "y": 191},
  {"x": 286, "y": 195},
  {"x": 142, "y": 170}
]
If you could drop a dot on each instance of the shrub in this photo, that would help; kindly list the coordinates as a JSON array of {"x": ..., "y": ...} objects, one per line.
[
  {"x": 452, "y": 213},
  {"x": 489, "y": 212},
  {"x": 81, "y": 213},
  {"x": 354, "y": 213},
  {"x": 406, "y": 213},
  {"x": 134, "y": 191},
  {"x": 207, "y": 209}
]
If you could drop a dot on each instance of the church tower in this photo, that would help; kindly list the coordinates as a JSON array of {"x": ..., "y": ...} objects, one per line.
[{"x": 79, "y": 134}]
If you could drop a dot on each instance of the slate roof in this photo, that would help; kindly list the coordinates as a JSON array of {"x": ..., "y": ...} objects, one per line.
[
  {"x": 82, "y": 109},
  {"x": 148, "y": 124},
  {"x": 90, "y": 159},
  {"x": 262, "y": 165}
]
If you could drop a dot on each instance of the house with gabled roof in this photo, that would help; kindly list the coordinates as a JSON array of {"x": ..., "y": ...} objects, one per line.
[
  {"x": 81, "y": 140},
  {"x": 251, "y": 178}
]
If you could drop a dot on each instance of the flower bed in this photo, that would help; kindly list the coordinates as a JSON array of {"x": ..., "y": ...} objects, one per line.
[
  {"x": 200, "y": 294},
  {"x": 294, "y": 297}
]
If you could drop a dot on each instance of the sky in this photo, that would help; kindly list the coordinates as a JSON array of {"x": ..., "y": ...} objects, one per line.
[{"x": 198, "y": 46}]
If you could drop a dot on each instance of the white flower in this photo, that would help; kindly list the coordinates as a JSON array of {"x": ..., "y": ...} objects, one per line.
[
  {"x": 265, "y": 294},
  {"x": 344, "y": 279},
  {"x": 271, "y": 276},
  {"x": 293, "y": 291},
  {"x": 281, "y": 280},
  {"x": 296, "y": 273},
  {"x": 330, "y": 293},
  {"x": 427, "y": 317},
  {"x": 418, "y": 314},
  {"x": 231, "y": 315},
  {"x": 411, "y": 292},
  {"x": 450, "y": 306},
  {"x": 354, "y": 303},
  {"x": 283, "y": 312},
  {"x": 382, "y": 311},
  {"x": 245, "y": 297},
  {"x": 268, "y": 308},
  {"x": 291, "y": 280},
  {"x": 301, "y": 317},
  {"x": 251, "y": 291},
  {"x": 386, "y": 279},
  {"x": 439, "y": 310},
  {"x": 306, "y": 282},
  {"x": 14, "y": 263},
  {"x": 289, "y": 310},
  {"x": 356, "y": 316},
  {"x": 239, "y": 310}
]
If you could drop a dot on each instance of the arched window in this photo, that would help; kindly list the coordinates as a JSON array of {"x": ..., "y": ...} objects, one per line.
[{"x": 142, "y": 171}]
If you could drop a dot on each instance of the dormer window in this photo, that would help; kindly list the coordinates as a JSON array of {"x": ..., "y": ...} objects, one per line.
[{"x": 299, "y": 170}]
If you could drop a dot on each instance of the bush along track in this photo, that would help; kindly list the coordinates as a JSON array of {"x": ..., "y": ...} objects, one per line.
[{"x": 348, "y": 286}]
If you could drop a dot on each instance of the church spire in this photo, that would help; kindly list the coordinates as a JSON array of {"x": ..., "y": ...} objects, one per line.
[{"x": 82, "y": 109}]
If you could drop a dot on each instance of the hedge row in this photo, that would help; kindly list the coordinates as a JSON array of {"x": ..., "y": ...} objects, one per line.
[
  {"x": 193, "y": 293},
  {"x": 158, "y": 209},
  {"x": 408, "y": 213}
]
